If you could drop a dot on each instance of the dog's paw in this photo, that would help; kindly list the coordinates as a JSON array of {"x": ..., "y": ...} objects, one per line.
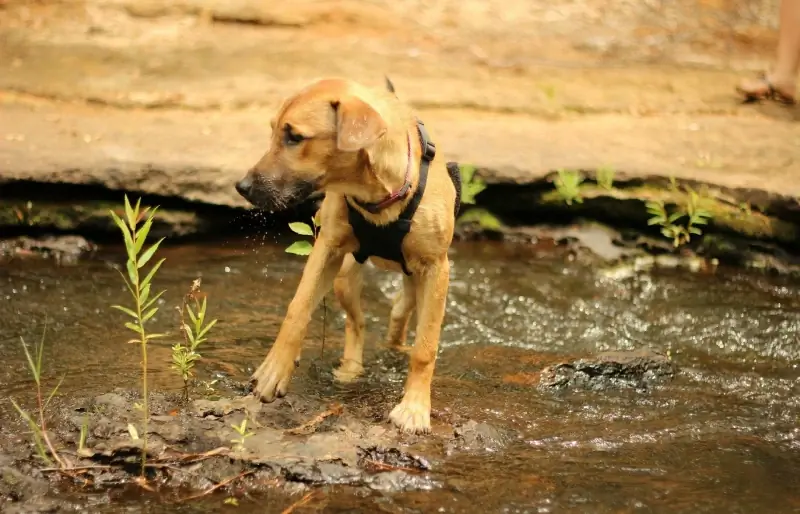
[
  {"x": 348, "y": 371},
  {"x": 271, "y": 379},
  {"x": 412, "y": 415}
]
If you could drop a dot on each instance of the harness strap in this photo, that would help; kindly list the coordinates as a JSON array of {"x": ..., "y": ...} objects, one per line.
[{"x": 386, "y": 241}]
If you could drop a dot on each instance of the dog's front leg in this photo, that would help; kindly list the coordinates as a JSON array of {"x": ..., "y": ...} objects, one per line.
[
  {"x": 272, "y": 378},
  {"x": 413, "y": 414}
]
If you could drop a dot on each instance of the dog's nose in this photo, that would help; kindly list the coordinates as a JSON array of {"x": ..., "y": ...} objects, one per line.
[{"x": 244, "y": 186}]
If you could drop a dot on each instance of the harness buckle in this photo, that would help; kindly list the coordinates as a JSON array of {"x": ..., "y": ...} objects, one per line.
[{"x": 428, "y": 146}]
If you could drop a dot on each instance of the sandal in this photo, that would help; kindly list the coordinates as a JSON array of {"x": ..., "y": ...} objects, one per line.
[{"x": 764, "y": 91}]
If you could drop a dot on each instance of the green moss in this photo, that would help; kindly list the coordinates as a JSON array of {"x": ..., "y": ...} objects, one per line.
[
  {"x": 91, "y": 215},
  {"x": 725, "y": 215}
]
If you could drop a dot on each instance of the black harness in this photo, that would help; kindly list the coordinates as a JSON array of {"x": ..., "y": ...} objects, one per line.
[{"x": 386, "y": 241}]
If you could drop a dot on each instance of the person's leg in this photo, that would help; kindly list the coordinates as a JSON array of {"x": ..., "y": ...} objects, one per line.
[{"x": 781, "y": 81}]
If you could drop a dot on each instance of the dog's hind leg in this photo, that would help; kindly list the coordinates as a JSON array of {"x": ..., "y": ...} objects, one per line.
[
  {"x": 348, "y": 286},
  {"x": 402, "y": 309},
  {"x": 413, "y": 413}
]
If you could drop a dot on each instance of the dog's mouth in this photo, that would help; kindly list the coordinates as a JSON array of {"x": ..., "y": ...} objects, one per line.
[{"x": 271, "y": 195}]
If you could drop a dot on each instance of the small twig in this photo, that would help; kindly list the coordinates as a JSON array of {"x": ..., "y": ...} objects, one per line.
[
  {"x": 217, "y": 486},
  {"x": 306, "y": 427},
  {"x": 76, "y": 468},
  {"x": 190, "y": 458},
  {"x": 299, "y": 503}
]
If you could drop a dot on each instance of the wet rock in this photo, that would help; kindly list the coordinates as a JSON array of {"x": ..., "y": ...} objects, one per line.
[
  {"x": 474, "y": 436},
  {"x": 609, "y": 369},
  {"x": 398, "y": 481},
  {"x": 392, "y": 457},
  {"x": 16, "y": 486},
  {"x": 222, "y": 407},
  {"x": 64, "y": 250}
]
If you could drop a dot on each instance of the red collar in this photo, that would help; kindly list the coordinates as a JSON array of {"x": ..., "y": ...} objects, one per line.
[{"x": 375, "y": 208}]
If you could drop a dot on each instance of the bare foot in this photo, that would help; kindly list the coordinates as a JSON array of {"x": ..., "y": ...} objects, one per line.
[
  {"x": 765, "y": 88},
  {"x": 413, "y": 414},
  {"x": 272, "y": 378},
  {"x": 348, "y": 371}
]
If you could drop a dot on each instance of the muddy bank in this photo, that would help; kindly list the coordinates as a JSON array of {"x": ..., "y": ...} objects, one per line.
[
  {"x": 229, "y": 447},
  {"x": 236, "y": 446}
]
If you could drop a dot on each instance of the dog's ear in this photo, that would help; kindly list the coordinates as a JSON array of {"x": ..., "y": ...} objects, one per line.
[{"x": 358, "y": 125}]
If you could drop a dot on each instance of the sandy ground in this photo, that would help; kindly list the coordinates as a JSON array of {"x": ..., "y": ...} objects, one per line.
[{"x": 174, "y": 98}]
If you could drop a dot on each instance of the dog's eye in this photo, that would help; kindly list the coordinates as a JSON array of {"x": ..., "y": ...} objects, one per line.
[{"x": 291, "y": 138}]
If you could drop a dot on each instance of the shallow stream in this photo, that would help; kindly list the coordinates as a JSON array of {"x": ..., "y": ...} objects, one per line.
[{"x": 722, "y": 436}]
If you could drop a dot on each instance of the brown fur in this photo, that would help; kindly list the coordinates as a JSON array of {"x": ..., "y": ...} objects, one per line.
[{"x": 355, "y": 144}]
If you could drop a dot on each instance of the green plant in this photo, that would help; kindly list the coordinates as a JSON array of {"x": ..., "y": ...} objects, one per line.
[
  {"x": 482, "y": 217},
  {"x": 243, "y": 432},
  {"x": 26, "y": 216},
  {"x": 185, "y": 355},
  {"x": 303, "y": 247},
  {"x": 144, "y": 307},
  {"x": 568, "y": 183},
  {"x": 692, "y": 211},
  {"x": 471, "y": 185},
  {"x": 84, "y": 433},
  {"x": 605, "y": 177},
  {"x": 39, "y": 430}
]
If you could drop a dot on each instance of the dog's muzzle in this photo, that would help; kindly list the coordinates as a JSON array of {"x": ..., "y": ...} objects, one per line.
[{"x": 271, "y": 194}]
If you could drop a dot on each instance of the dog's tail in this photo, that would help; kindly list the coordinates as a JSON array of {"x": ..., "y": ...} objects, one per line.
[{"x": 389, "y": 85}]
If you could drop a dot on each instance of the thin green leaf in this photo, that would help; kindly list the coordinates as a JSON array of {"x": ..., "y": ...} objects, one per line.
[
  {"x": 37, "y": 433},
  {"x": 141, "y": 235},
  {"x": 301, "y": 228},
  {"x": 189, "y": 334},
  {"x": 208, "y": 327},
  {"x": 126, "y": 233},
  {"x": 149, "y": 314},
  {"x": 152, "y": 301},
  {"x": 202, "y": 314},
  {"x": 54, "y": 391},
  {"x": 148, "y": 254},
  {"x": 696, "y": 231},
  {"x": 126, "y": 310},
  {"x": 133, "y": 274},
  {"x": 129, "y": 214},
  {"x": 300, "y": 248},
  {"x": 675, "y": 216},
  {"x": 156, "y": 336},
  {"x": 134, "y": 327},
  {"x": 144, "y": 294},
  {"x": 35, "y": 370},
  {"x": 153, "y": 271},
  {"x": 127, "y": 284},
  {"x": 191, "y": 314},
  {"x": 655, "y": 221}
]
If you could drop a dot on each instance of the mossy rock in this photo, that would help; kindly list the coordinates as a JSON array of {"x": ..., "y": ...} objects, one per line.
[{"x": 90, "y": 216}]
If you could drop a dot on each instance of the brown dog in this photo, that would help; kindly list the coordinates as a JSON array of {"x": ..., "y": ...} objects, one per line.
[{"x": 367, "y": 152}]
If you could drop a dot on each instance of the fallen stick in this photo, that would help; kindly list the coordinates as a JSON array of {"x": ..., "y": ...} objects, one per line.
[
  {"x": 76, "y": 468},
  {"x": 299, "y": 503},
  {"x": 217, "y": 486},
  {"x": 309, "y": 426}
]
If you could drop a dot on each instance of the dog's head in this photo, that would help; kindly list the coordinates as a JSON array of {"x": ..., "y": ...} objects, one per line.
[{"x": 320, "y": 136}]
